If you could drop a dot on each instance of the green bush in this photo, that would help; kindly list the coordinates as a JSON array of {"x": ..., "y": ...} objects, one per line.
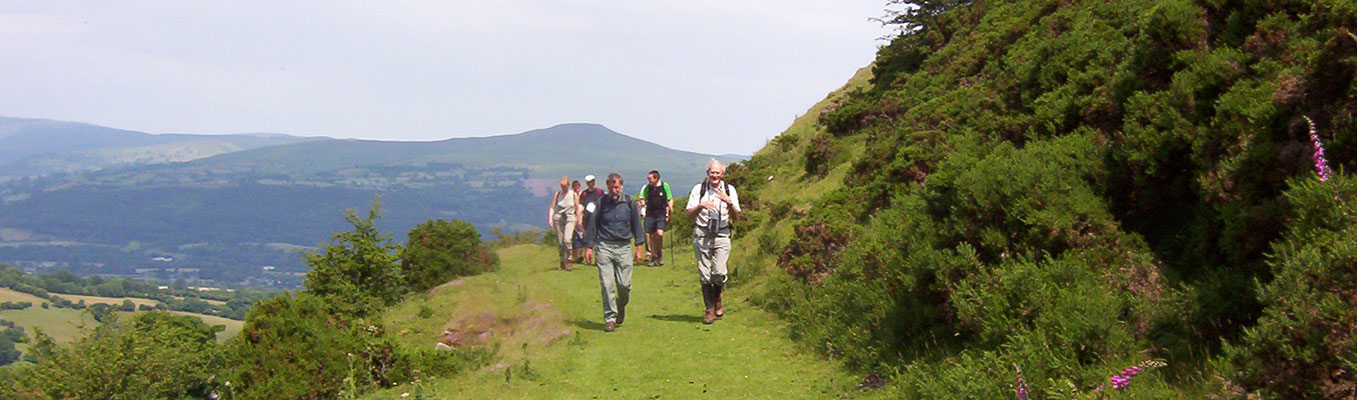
[
  {"x": 439, "y": 251},
  {"x": 819, "y": 152},
  {"x": 1303, "y": 346},
  {"x": 153, "y": 355},
  {"x": 848, "y": 116},
  {"x": 305, "y": 346}
]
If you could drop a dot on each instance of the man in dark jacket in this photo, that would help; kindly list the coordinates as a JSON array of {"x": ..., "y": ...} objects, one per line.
[{"x": 614, "y": 226}]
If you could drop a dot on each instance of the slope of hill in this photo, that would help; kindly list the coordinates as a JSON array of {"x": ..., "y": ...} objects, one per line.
[{"x": 1045, "y": 194}]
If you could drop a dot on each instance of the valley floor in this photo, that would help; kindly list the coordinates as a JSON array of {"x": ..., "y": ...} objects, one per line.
[{"x": 547, "y": 325}]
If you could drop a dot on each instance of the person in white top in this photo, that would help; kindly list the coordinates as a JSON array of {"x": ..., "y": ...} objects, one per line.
[
  {"x": 713, "y": 204},
  {"x": 563, "y": 217}
]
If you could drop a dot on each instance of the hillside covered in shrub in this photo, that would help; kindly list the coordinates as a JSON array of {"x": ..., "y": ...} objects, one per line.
[{"x": 1069, "y": 199}]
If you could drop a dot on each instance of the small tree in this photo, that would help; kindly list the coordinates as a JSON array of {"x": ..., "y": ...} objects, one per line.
[
  {"x": 359, "y": 264},
  {"x": 440, "y": 250}
]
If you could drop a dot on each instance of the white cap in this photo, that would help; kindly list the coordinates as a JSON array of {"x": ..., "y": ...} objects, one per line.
[{"x": 588, "y": 178}]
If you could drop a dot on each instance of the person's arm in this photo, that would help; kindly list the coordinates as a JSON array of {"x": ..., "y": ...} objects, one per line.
[
  {"x": 591, "y": 231},
  {"x": 579, "y": 211},
  {"x": 551, "y": 211},
  {"x": 694, "y": 203},
  {"x": 636, "y": 230},
  {"x": 734, "y": 204},
  {"x": 669, "y": 201}
]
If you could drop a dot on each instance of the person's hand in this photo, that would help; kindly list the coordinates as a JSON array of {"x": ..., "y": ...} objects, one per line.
[
  {"x": 711, "y": 206},
  {"x": 721, "y": 194}
]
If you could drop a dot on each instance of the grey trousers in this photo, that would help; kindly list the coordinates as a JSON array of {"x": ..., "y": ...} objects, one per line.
[
  {"x": 614, "y": 275},
  {"x": 565, "y": 230},
  {"x": 712, "y": 253}
]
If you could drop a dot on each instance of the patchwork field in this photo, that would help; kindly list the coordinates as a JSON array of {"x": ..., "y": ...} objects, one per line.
[{"x": 65, "y": 325}]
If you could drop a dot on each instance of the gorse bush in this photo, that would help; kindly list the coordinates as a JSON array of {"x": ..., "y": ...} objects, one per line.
[
  {"x": 304, "y": 346},
  {"x": 1303, "y": 346},
  {"x": 439, "y": 251},
  {"x": 1077, "y": 187}
]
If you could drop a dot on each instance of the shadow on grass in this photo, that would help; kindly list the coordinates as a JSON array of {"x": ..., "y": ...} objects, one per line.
[
  {"x": 589, "y": 325},
  {"x": 691, "y": 318}
]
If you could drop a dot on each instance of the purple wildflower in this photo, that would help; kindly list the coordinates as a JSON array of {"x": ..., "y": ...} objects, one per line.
[
  {"x": 1020, "y": 389},
  {"x": 1123, "y": 379},
  {"x": 1321, "y": 164}
]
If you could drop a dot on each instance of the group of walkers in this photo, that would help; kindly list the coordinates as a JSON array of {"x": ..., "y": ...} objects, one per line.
[{"x": 601, "y": 228}]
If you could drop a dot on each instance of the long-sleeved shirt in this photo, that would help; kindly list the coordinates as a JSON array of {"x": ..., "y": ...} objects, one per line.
[{"x": 615, "y": 221}]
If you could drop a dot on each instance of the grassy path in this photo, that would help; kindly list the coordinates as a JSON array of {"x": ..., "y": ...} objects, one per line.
[{"x": 662, "y": 351}]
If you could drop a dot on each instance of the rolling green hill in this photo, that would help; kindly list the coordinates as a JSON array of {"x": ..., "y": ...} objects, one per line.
[{"x": 567, "y": 149}]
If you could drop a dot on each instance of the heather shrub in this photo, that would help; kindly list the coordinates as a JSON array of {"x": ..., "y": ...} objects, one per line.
[
  {"x": 819, "y": 152},
  {"x": 848, "y": 116}
]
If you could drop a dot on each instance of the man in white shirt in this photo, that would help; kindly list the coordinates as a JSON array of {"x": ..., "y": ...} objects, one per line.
[{"x": 713, "y": 204}]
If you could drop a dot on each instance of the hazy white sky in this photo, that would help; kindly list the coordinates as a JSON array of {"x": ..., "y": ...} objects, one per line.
[{"x": 700, "y": 75}]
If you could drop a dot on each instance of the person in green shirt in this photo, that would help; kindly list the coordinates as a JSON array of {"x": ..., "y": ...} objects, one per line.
[{"x": 658, "y": 202}]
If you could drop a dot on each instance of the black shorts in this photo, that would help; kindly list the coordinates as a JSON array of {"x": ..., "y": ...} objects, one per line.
[{"x": 656, "y": 223}]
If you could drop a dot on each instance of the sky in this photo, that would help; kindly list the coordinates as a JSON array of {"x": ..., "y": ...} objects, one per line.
[{"x": 715, "y": 77}]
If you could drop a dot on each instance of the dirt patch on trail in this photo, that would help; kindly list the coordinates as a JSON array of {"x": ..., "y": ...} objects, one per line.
[
  {"x": 440, "y": 288},
  {"x": 530, "y": 322}
]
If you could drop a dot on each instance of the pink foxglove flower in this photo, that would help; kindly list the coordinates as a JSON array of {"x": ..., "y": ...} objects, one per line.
[{"x": 1321, "y": 164}]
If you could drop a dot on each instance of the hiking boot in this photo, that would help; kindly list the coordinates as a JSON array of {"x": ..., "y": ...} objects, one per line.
[
  {"x": 716, "y": 300},
  {"x": 709, "y": 317},
  {"x": 609, "y": 326}
]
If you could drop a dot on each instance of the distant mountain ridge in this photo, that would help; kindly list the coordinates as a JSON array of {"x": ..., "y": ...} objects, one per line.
[
  {"x": 226, "y": 206},
  {"x": 35, "y": 147},
  {"x": 38, "y": 147}
]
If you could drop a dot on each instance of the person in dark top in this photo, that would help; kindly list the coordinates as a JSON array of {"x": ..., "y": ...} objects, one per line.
[
  {"x": 577, "y": 240},
  {"x": 589, "y": 198},
  {"x": 659, "y": 201},
  {"x": 615, "y": 225}
]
